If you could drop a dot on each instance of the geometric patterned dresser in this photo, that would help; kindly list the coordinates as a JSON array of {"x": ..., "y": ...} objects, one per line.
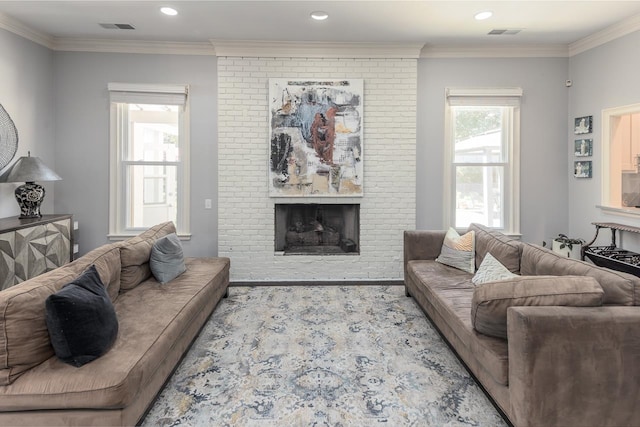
[{"x": 29, "y": 247}]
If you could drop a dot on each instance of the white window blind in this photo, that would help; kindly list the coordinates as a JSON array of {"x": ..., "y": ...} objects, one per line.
[
  {"x": 504, "y": 97},
  {"x": 151, "y": 94}
]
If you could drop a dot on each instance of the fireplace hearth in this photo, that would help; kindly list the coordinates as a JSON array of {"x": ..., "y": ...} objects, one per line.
[{"x": 317, "y": 229}]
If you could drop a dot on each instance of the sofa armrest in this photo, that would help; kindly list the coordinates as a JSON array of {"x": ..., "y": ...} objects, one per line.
[
  {"x": 422, "y": 244},
  {"x": 571, "y": 366}
]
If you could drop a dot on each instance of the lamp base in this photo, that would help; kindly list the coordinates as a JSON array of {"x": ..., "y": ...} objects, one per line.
[{"x": 29, "y": 197}]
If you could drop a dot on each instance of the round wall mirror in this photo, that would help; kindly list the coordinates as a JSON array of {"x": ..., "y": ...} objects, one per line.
[{"x": 8, "y": 138}]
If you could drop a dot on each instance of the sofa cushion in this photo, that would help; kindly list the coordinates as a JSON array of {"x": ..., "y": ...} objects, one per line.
[
  {"x": 619, "y": 288},
  {"x": 135, "y": 253},
  {"x": 503, "y": 248},
  {"x": 491, "y": 270},
  {"x": 24, "y": 339},
  {"x": 106, "y": 258},
  {"x": 458, "y": 251},
  {"x": 491, "y": 300},
  {"x": 81, "y": 320},
  {"x": 449, "y": 291},
  {"x": 167, "y": 260}
]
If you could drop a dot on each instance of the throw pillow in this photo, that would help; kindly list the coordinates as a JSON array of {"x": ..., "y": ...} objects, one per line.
[
  {"x": 458, "y": 251},
  {"x": 167, "y": 259},
  {"x": 81, "y": 320},
  {"x": 491, "y": 270},
  {"x": 491, "y": 300}
]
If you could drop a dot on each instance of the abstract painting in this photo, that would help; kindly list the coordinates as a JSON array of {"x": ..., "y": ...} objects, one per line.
[{"x": 315, "y": 137}]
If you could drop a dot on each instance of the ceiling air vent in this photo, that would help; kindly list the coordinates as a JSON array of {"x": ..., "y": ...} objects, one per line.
[
  {"x": 506, "y": 32},
  {"x": 118, "y": 26}
]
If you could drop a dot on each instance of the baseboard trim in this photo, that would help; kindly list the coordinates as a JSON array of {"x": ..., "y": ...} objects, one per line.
[{"x": 387, "y": 282}]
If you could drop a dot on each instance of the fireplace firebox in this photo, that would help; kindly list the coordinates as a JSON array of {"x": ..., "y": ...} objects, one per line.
[{"x": 317, "y": 229}]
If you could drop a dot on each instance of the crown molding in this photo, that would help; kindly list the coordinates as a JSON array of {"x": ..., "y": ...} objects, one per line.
[
  {"x": 256, "y": 48},
  {"x": 16, "y": 27},
  {"x": 320, "y": 49},
  {"x": 132, "y": 46},
  {"x": 493, "y": 51},
  {"x": 615, "y": 31}
]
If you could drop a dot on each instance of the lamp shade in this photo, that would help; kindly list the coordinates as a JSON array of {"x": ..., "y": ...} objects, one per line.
[{"x": 29, "y": 169}]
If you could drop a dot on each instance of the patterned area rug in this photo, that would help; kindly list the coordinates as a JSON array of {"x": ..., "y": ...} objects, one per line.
[{"x": 321, "y": 356}]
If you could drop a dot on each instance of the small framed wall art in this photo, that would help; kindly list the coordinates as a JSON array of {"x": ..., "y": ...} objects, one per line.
[
  {"x": 582, "y": 169},
  {"x": 583, "y": 147},
  {"x": 583, "y": 125}
]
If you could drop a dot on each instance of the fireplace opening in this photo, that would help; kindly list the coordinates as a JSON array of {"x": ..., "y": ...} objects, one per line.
[{"x": 317, "y": 229}]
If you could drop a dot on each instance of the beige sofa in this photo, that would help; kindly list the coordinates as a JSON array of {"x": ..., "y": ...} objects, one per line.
[
  {"x": 157, "y": 324},
  {"x": 560, "y": 365}
]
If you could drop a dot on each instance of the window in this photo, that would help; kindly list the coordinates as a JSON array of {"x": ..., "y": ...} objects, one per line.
[
  {"x": 149, "y": 154},
  {"x": 482, "y": 141},
  {"x": 621, "y": 159}
]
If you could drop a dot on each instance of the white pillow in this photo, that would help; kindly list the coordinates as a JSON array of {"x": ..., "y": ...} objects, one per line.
[
  {"x": 491, "y": 270},
  {"x": 459, "y": 251}
]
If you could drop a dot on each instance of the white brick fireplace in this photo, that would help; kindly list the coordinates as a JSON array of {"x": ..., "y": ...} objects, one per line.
[{"x": 245, "y": 210}]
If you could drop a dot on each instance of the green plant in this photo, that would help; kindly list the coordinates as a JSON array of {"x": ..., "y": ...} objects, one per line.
[{"x": 567, "y": 241}]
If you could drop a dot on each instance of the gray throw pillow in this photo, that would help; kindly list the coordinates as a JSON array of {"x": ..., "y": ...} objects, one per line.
[{"x": 167, "y": 260}]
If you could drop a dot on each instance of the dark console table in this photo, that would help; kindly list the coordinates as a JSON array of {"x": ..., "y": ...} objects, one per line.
[
  {"x": 611, "y": 256},
  {"x": 29, "y": 247}
]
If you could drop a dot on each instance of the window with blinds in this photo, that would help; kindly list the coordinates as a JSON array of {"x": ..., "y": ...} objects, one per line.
[
  {"x": 149, "y": 180},
  {"x": 482, "y": 140}
]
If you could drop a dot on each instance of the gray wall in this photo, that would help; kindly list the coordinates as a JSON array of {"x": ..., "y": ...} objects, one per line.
[
  {"x": 59, "y": 103},
  {"x": 26, "y": 93},
  {"x": 543, "y": 117},
  {"x": 603, "y": 77},
  {"x": 82, "y": 136}
]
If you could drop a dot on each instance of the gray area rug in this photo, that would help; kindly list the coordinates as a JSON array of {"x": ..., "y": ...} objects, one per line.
[{"x": 321, "y": 356}]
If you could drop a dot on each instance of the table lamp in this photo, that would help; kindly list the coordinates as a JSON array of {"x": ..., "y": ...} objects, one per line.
[{"x": 29, "y": 195}]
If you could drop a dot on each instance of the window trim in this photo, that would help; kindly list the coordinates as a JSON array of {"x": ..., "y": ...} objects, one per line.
[
  {"x": 605, "y": 196},
  {"x": 175, "y": 94},
  {"x": 505, "y": 97}
]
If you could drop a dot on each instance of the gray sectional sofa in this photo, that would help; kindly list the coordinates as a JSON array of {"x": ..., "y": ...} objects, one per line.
[
  {"x": 157, "y": 324},
  {"x": 561, "y": 364}
]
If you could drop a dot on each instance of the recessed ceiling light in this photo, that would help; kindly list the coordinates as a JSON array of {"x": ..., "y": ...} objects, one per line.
[
  {"x": 319, "y": 15},
  {"x": 483, "y": 15},
  {"x": 168, "y": 11}
]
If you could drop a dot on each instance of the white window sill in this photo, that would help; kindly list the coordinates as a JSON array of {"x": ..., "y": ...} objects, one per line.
[{"x": 622, "y": 211}]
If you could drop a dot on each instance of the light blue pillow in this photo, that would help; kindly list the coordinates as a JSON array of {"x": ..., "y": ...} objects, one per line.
[{"x": 167, "y": 260}]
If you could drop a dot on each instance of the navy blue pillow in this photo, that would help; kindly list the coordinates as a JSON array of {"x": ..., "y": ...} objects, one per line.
[{"x": 81, "y": 319}]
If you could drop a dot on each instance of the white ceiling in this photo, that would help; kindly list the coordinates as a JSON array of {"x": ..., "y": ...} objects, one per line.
[{"x": 438, "y": 23}]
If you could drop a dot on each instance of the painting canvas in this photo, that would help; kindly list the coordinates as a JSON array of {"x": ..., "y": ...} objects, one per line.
[
  {"x": 582, "y": 169},
  {"x": 583, "y": 125},
  {"x": 583, "y": 147},
  {"x": 316, "y": 130}
]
